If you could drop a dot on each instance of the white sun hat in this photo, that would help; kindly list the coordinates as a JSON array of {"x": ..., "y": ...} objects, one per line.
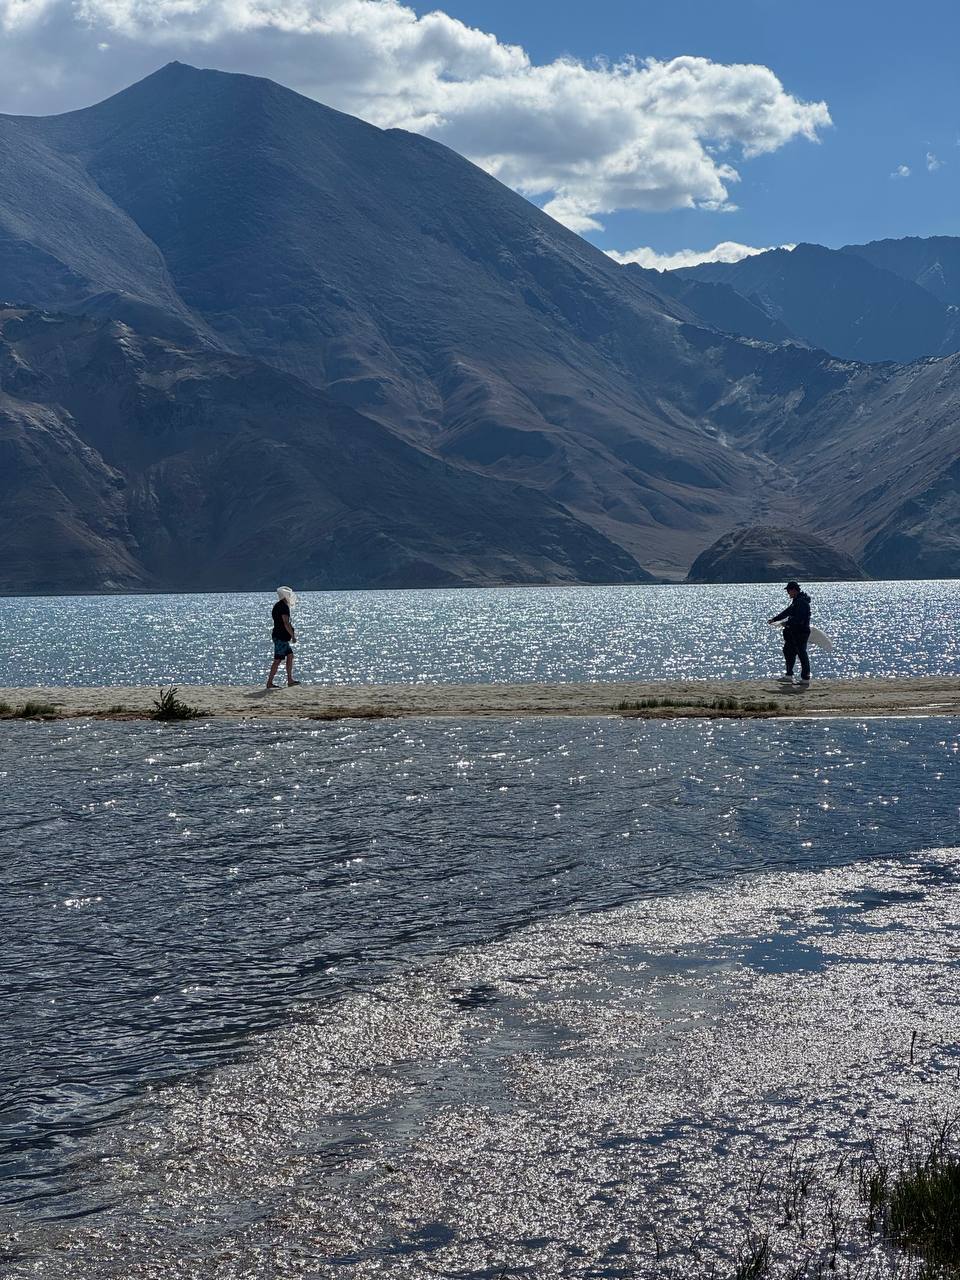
[{"x": 288, "y": 594}]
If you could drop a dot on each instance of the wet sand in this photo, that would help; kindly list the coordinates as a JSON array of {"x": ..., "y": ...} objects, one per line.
[{"x": 929, "y": 695}]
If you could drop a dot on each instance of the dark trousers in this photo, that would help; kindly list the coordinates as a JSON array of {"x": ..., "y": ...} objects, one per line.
[{"x": 794, "y": 647}]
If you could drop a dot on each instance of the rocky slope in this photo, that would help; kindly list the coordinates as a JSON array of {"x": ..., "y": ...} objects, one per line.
[
  {"x": 128, "y": 462},
  {"x": 764, "y": 554},
  {"x": 592, "y": 421}
]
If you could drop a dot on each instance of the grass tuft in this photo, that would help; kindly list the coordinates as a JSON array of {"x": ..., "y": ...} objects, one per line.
[
  {"x": 169, "y": 707},
  {"x": 753, "y": 1261},
  {"x": 28, "y": 711},
  {"x": 728, "y": 706},
  {"x": 917, "y": 1206},
  {"x": 923, "y": 1212},
  {"x": 354, "y": 713}
]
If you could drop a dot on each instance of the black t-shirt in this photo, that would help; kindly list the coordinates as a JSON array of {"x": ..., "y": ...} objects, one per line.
[{"x": 281, "y": 610}]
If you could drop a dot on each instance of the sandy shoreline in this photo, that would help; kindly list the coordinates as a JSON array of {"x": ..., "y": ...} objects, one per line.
[{"x": 929, "y": 695}]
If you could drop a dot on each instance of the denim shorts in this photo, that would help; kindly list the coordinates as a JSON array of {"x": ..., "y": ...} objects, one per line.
[{"x": 281, "y": 648}]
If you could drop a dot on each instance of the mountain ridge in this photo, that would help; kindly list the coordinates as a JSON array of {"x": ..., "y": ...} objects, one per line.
[
  {"x": 840, "y": 301},
  {"x": 401, "y": 282}
]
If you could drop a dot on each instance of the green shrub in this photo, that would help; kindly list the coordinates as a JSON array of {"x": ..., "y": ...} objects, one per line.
[{"x": 169, "y": 707}]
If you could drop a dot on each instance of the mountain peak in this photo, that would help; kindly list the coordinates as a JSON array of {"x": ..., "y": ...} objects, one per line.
[{"x": 392, "y": 276}]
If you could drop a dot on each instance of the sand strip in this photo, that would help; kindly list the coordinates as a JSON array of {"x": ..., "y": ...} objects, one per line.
[{"x": 929, "y": 695}]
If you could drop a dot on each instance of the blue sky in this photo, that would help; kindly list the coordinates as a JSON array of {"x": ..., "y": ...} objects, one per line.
[
  {"x": 889, "y": 72},
  {"x": 761, "y": 122}
]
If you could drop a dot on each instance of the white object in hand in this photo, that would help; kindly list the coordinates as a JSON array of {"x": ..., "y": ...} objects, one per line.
[{"x": 817, "y": 637}]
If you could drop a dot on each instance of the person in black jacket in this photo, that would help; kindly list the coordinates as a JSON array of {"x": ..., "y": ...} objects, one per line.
[{"x": 796, "y": 632}]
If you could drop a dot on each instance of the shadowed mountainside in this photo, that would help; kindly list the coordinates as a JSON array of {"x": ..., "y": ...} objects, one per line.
[
  {"x": 586, "y": 417},
  {"x": 126, "y": 462}
]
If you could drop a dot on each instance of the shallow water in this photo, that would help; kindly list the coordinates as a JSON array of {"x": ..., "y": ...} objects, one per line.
[
  {"x": 510, "y": 635},
  {"x": 171, "y": 893},
  {"x": 626, "y": 1093}
]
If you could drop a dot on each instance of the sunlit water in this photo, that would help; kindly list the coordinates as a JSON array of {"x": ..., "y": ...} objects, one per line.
[
  {"x": 515, "y": 634},
  {"x": 496, "y": 994}
]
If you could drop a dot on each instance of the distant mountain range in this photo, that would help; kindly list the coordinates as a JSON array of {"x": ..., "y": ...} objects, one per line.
[
  {"x": 248, "y": 337},
  {"x": 891, "y": 300}
]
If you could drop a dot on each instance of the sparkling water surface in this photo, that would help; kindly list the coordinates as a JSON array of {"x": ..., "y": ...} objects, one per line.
[
  {"x": 439, "y": 998},
  {"x": 170, "y": 894},
  {"x": 507, "y": 635}
]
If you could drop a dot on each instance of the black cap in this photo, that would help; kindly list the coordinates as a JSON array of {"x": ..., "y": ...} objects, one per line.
[{"x": 795, "y": 585}]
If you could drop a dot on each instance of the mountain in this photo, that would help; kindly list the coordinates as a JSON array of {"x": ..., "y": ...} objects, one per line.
[
  {"x": 837, "y": 300},
  {"x": 383, "y": 268},
  {"x": 870, "y": 454},
  {"x": 763, "y": 554},
  {"x": 492, "y": 397},
  {"x": 933, "y": 263},
  {"x": 718, "y": 305},
  {"x": 129, "y": 463}
]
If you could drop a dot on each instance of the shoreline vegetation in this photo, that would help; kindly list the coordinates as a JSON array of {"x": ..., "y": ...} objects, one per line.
[
  {"x": 891, "y": 1210},
  {"x": 657, "y": 700}
]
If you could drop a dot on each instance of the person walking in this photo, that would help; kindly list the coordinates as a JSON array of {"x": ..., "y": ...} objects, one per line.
[
  {"x": 796, "y": 633},
  {"x": 283, "y": 635}
]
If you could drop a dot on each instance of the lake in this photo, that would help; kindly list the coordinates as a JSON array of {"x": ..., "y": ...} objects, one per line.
[
  {"x": 470, "y": 998},
  {"x": 399, "y": 999},
  {"x": 512, "y": 635}
]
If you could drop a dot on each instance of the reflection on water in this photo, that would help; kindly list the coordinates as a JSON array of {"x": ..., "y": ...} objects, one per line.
[
  {"x": 168, "y": 892},
  {"x": 513, "y": 635},
  {"x": 627, "y": 1100}
]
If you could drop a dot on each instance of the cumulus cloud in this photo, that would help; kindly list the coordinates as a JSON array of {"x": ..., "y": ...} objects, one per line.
[
  {"x": 726, "y": 251},
  {"x": 901, "y": 171},
  {"x": 584, "y": 139}
]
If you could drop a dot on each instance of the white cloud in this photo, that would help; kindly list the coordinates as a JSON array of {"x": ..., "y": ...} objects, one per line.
[
  {"x": 901, "y": 171},
  {"x": 933, "y": 164},
  {"x": 584, "y": 139},
  {"x": 726, "y": 251}
]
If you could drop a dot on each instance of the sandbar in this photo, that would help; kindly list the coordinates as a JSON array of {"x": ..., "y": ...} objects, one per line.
[{"x": 664, "y": 699}]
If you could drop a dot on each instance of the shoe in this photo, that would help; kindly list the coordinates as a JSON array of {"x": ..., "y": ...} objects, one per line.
[
  {"x": 804, "y": 683},
  {"x": 785, "y": 680},
  {"x": 290, "y": 683}
]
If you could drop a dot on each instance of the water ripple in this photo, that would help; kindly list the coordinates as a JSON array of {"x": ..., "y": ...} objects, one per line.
[{"x": 167, "y": 893}]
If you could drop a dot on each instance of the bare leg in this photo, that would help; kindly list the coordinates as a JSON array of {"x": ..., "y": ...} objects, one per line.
[
  {"x": 290, "y": 679},
  {"x": 273, "y": 671}
]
